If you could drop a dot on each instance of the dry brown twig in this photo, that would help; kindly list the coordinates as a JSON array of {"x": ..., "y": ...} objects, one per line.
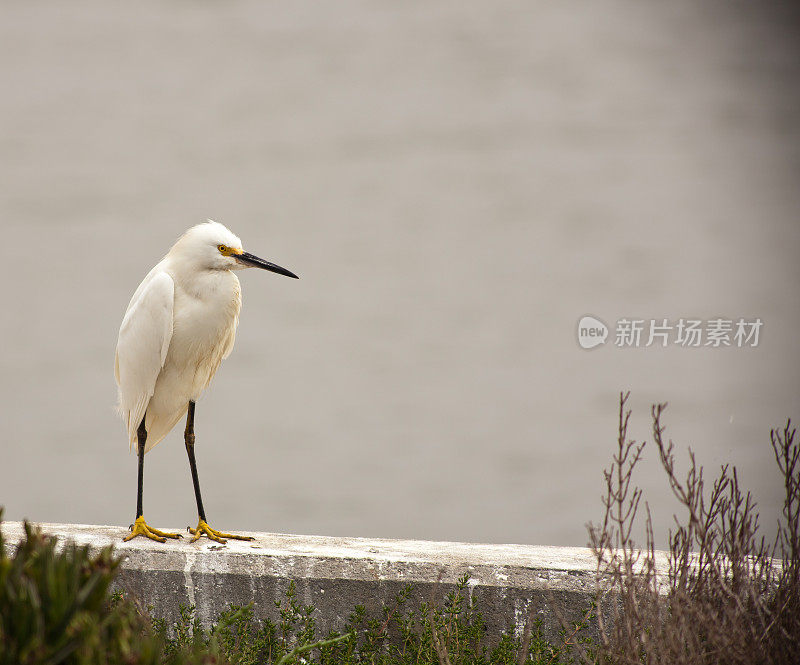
[{"x": 724, "y": 599}]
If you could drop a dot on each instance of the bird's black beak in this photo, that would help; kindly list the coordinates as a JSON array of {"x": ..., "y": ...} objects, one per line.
[{"x": 252, "y": 260}]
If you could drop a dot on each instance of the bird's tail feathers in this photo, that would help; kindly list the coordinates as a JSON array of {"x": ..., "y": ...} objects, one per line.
[
  {"x": 133, "y": 415},
  {"x": 158, "y": 424}
]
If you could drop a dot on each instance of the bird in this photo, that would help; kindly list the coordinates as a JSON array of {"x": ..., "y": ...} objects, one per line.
[{"x": 179, "y": 326}]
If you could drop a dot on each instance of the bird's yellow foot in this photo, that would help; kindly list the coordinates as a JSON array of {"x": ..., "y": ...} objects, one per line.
[
  {"x": 213, "y": 534},
  {"x": 140, "y": 528}
]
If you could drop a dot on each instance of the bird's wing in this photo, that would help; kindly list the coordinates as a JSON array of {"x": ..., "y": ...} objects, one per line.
[
  {"x": 142, "y": 346},
  {"x": 227, "y": 345}
]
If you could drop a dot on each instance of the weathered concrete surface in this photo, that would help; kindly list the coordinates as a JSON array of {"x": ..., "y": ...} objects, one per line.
[{"x": 336, "y": 574}]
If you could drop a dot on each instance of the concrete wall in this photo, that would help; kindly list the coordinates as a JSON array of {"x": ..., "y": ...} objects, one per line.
[{"x": 336, "y": 574}]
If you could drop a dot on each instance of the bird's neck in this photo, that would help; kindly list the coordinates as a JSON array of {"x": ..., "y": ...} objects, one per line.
[{"x": 205, "y": 283}]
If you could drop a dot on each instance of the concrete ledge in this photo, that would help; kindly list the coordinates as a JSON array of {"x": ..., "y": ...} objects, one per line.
[{"x": 336, "y": 574}]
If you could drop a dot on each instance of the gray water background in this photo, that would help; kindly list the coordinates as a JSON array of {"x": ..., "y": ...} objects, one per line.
[{"x": 457, "y": 183}]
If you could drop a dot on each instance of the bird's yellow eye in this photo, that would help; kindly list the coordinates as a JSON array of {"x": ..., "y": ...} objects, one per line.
[{"x": 222, "y": 249}]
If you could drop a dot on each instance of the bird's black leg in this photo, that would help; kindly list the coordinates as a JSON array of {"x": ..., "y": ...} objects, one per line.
[
  {"x": 202, "y": 525},
  {"x": 140, "y": 527},
  {"x": 141, "y": 435},
  {"x": 188, "y": 438}
]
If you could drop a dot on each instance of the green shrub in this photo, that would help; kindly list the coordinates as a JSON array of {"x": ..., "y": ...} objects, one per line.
[
  {"x": 51, "y": 601},
  {"x": 55, "y": 608}
]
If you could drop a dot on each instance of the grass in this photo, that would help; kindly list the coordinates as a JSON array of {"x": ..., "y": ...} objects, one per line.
[{"x": 434, "y": 634}]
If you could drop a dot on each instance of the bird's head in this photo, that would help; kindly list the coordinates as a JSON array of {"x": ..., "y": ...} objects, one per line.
[{"x": 212, "y": 246}]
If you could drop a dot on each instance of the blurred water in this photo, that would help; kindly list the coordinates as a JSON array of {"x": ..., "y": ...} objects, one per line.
[{"x": 457, "y": 184}]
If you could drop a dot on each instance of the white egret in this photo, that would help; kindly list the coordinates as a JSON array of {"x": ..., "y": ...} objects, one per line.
[{"x": 179, "y": 325}]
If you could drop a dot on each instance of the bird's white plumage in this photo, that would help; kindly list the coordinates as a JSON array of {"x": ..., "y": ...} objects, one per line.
[
  {"x": 180, "y": 324},
  {"x": 143, "y": 345}
]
